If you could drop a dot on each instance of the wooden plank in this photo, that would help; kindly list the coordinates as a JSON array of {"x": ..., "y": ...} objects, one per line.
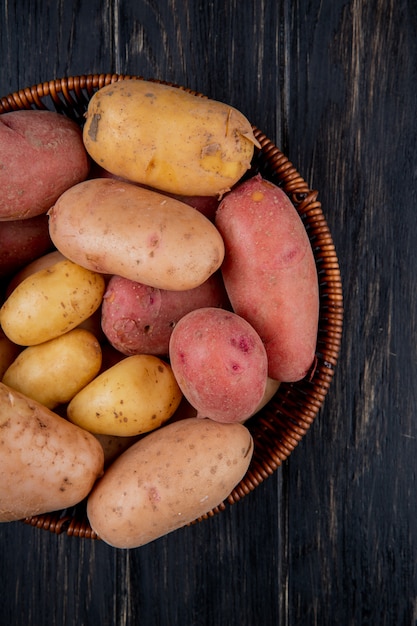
[{"x": 352, "y": 540}]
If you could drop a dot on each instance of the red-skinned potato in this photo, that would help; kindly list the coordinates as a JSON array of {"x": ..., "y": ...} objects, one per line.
[
  {"x": 275, "y": 287},
  {"x": 21, "y": 242},
  {"x": 138, "y": 319},
  {"x": 41, "y": 155},
  {"x": 220, "y": 364}
]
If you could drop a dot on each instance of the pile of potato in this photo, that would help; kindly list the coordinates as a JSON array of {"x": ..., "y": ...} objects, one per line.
[{"x": 155, "y": 294}]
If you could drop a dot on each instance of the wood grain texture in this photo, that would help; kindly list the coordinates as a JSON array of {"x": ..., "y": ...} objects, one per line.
[{"x": 331, "y": 538}]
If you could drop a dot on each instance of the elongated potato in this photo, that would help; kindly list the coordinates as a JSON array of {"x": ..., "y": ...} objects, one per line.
[
  {"x": 167, "y": 480},
  {"x": 54, "y": 371},
  {"x": 51, "y": 302},
  {"x": 41, "y": 155},
  {"x": 46, "y": 463},
  {"x": 275, "y": 287},
  {"x": 115, "y": 227},
  {"x": 167, "y": 138}
]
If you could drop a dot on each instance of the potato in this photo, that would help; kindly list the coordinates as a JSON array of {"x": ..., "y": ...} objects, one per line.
[
  {"x": 22, "y": 241},
  {"x": 8, "y": 352},
  {"x": 167, "y": 480},
  {"x": 115, "y": 227},
  {"x": 46, "y": 463},
  {"x": 54, "y": 371},
  {"x": 40, "y": 263},
  {"x": 167, "y": 138},
  {"x": 51, "y": 302},
  {"x": 220, "y": 364},
  {"x": 275, "y": 288},
  {"x": 114, "y": 446},
  {"x": 132, "y": 397},
  {"x": 271, "y": 388},
  {"x": 41, "y": 155},
  {"x": 138, "y": 319}
]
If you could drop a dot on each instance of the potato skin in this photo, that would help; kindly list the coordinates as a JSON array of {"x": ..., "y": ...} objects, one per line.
[
  {"x": 46, "y": 463},
  {"x": 167, "y": 480},
  {"x": 114, "y": 227},
  {"x": 8, "y": 352},
  {"x": 275, "y": 288},
  {"x": 54, "y": 371},
  {"x": 41, "y": 155},
  {"x": 22, "y": 241},
  {"x": 138, "y": 319},
  {"x": 167, "y": 138},
  {"x": 220, "y": 364},
  {"x": 51, "y": 302},
  {"x": 132, "y": 397}
]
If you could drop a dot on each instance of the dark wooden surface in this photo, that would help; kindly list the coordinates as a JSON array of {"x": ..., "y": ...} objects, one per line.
[{"x": 331, "y": 537}]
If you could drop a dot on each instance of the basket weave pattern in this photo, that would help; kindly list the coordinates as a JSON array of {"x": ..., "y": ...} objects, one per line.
[{"x": 282, "y": 423}]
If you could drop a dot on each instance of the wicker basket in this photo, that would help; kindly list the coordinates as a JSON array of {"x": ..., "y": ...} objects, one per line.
[{"x": 279, "y": 427}]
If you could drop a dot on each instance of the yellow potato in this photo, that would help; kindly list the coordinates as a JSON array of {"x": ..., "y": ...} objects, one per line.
[
  {"x": 51, "y": 302},
  {"x": 167, "y": 138},
  {"x": 46, "y": 463},
  {"x": 136, "y": 395},
  {"x": 168, "y": 479},
  {"x": 115, "y": 227},
  {"x": 54, "y": 371}
]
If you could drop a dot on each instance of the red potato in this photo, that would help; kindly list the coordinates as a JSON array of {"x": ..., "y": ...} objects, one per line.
[
  {"x": 138, "y": 319},
  {"x": 270, "y": 274},
  {"x": 22, "y": 241},
  {"x": 41, "y": 155},
  {"x": 220, "y": 364}
]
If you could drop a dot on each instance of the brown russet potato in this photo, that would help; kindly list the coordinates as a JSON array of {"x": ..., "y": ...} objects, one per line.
[
  {"x": 275, "y": 287},
  {"x": 168, "y": 479},
  {"x": 41, "y": 155},
  {"x": 115, "y": 227},
  {"x": 46, "y": 463}
]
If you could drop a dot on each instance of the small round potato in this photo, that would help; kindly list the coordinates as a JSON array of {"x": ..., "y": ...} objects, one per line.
[
  {"x": 54, "y": 371},
  {"x": 51, "y": 302},
  {"x": 168, "y": 479},
  {"x": 115, "y": 227},
  {"x": 135, "y": 396}
]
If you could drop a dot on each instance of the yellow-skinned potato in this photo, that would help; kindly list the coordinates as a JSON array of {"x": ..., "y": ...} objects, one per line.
[
  {"x": 135, "y": 396},
  {"x": 167, "y": 138},
  {"x": 115, "y": 227},
  {"x": 168, "y": 479},
  {"x": 51, "y": 302},
  {"x": 46, "y": 463},
  {"x": 54, "y": 371}
]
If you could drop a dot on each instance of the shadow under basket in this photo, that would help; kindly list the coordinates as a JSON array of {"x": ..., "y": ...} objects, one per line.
[{"x": 281, "y": 424}]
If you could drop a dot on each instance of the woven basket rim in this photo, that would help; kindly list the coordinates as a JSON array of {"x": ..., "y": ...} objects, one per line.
[{"x": 284, "y": 421}]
